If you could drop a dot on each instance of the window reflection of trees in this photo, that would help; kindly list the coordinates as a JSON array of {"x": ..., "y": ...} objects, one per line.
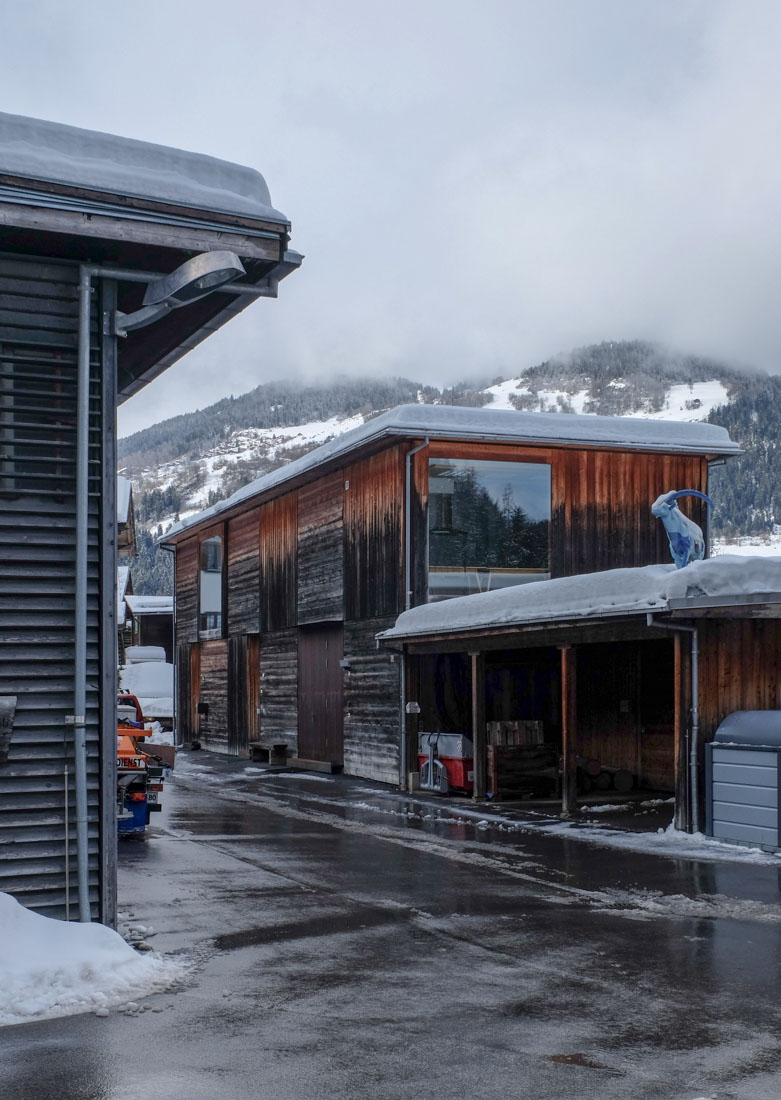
[{"x": 474, "y": 530}]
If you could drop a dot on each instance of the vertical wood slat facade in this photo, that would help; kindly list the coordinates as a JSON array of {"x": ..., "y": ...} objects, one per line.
[
  {"x": 242, "y": 562},
  {"x": 321, "y": 550},
  {"x": 38, "y": 427},
  {"x": 279, "y": 687},
  {"x": 243, "y": 684},
  {"x": 372, "y": 686},
  {"x": 188, "y": 690},
  {"x": 214, "y": 692},
  {"x": 738, "y": 669},
  {"x": 278, "y": 572},
  {"x": 186, "y": 579},
  {"x": 373, "y": 536}
]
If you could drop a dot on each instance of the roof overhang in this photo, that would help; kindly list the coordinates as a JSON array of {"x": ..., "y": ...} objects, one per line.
[{"x": 82, "y": 197}]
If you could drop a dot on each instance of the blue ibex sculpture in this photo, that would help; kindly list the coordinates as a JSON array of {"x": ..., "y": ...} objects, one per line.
[{"x": 685, "y": 537}]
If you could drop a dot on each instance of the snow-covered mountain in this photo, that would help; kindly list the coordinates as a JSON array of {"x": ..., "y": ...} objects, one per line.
[{"x": 180, "y": 466}]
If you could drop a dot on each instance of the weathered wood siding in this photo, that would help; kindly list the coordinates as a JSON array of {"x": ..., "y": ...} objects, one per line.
[
  {"x": 278, "y": 544},
  {"x": 214, "y": 692},
  {"x": 626, "y": 709},
  {"x": 739, "y": 669},
  {"x": 243, "y": 666},
  {"x": 186, "y": 582},
  {"x": 278, "y": 688},
  {"x": 188, "y": 688},
  {"x": 600, "y": 503},
  {"x": 321, "y": 550},
  {"x": 374, "y": 541},
  {"x": 372, "y": 703},
  {"x": 601, "y": 507},
  {"x": 243, "y": 565}
]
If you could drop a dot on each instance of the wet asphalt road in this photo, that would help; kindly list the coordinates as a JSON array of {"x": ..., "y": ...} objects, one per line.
[{"x": 347, "y": 943}]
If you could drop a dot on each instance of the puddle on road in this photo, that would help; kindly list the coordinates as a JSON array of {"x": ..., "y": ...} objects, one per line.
[{"x": 580, "y": 1059}]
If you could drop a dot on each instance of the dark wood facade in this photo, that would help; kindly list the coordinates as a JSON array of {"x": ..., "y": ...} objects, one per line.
[{"x": 328, "y": 550}]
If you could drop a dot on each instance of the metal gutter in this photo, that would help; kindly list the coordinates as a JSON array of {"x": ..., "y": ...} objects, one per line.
[{"x": 24, "y": 197}]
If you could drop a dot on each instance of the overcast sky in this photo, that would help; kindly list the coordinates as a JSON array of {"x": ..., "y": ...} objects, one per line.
[{"x": 476, "y": 186}]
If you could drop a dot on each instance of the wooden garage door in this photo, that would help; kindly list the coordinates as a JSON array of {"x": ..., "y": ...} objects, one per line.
[{"x": 320, "y": 703}]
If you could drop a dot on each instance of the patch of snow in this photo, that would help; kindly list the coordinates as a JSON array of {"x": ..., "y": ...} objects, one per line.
[
  {"x": 124, "y": 489},
  {"x": 152, "y": 679},
  {"x": 139, "y": 654},
  {"x": 59, "y": 968},
  {"x": 36, "y": 149},
  {"x": 664, "y": 842},
  {"x": 755, "y": 546},
  {"x": 150, "y": 605},
  {"x": 592, "y": 595},
  {"x": 692, "y": 402}
]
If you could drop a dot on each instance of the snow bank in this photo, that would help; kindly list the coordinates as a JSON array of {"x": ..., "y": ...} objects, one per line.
[
  {"x": 58, "y": 968},
  {"x": 593, "y": 595}
]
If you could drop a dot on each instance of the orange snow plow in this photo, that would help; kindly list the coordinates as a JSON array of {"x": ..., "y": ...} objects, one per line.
[{"x": 141, "y": 769}]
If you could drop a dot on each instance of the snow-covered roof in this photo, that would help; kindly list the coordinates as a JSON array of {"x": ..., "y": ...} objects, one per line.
[
  {"x": 611, "y": 593},
  {"x": 124, "y": 490},
  {"x": 150, "y": 605},
  {"x": 123, "y": 575},
  {"x": 492, "y": 425},
  {"x": 51, "y": 152}
]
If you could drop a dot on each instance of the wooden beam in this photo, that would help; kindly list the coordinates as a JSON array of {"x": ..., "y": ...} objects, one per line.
[
  {"x": 478, "y": 724},
  {"x": 569, "y": 729},
  {"x": 186, "y": 238},
  {"x": 411, "y": 719}
]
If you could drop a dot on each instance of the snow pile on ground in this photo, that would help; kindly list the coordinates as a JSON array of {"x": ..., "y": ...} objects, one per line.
[
  {"x": 58, "y": 968},
  {"x": 594, "y": 595},
  {"x": 664, "y": 842}
]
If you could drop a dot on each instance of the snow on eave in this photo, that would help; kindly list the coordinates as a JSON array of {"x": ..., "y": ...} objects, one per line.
[
  {"x": 492, "y": 426},
  {"x": 150, "y": 605},
  {"x": 51, "y": 152},
  {"x": 733, "y": 580}
]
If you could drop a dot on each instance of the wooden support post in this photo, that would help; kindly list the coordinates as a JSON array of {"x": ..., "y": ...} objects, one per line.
[
  {"x": 569, "y": 729},
  {"x": 412, "y": 715},
  {"x": 682, "y": 707},
  {"x": 478, "y": 724}
]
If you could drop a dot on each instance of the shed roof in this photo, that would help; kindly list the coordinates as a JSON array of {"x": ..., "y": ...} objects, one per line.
[
  {"x": 150, "y": 605},
  {"x": 491, "y": 425},
  {"x": 34, "y": 148},
  {"x": 589, "y": 596}
]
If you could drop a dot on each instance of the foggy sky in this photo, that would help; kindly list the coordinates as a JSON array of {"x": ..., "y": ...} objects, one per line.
[{"x": 476, "y": 186}]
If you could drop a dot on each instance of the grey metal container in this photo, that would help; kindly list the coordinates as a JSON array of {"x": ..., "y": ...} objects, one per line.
[{"x": 742, "y": 779}]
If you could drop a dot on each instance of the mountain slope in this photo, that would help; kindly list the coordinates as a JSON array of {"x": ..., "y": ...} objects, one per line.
[{"x": 183, "y": 464}]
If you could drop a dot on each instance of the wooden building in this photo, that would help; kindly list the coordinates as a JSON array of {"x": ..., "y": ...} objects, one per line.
[
  {"x": 91, "y": 225},
  {"x": 604, "y": 665},
  {"x": 282, "y": 589}
]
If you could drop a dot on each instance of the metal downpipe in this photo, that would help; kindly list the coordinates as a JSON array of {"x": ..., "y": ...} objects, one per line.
[
  {"x": 80, "y": 613},
  {"x": 407, "y": 603},
  {"x": 694, "y": 748}
]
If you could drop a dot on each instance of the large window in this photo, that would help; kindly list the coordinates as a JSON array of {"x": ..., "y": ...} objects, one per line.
[
  {"x": 210, "y": 618},
  {"x": 488, "y": 525}
]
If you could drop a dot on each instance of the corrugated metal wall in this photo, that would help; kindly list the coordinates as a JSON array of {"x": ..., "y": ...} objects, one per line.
[{"x": 38, "y": 370}]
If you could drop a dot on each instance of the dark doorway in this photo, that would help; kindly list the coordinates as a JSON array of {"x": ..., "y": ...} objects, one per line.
[{"x": 320, "y": 690}]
